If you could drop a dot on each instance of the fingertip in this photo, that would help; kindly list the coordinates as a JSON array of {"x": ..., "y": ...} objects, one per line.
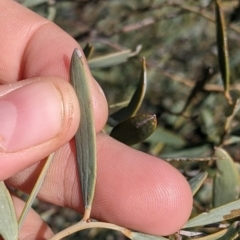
[
  {"x": 141, "y": 192},
  {"x": 171, "y": 202}
]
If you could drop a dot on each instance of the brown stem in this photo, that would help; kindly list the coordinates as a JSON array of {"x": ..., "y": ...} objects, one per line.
[{"x": 85, "y": 225}]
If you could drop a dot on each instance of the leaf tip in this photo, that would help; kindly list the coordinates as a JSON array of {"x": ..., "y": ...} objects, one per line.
[
  {"x": 144, "y": 63},
  {"x": 78, "y": 52}
]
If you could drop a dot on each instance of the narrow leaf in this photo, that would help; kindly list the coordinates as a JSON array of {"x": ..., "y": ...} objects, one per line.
[
  {"x": 33, "y": 3},
  {"x": 222, "y": 46},
  {"x": 143, "y": 236},
  {"x": 225, "y": 212},
  {"x": 85, "y": 136},
  {"x": 135, "y": 102},
  {"x": 192, "y": 159},
  {"x": 231, "y": 140},
  {"x": 232, "y": 110},
  {"x": 110, "y": 59},
  {"x": 213, "y": 236},
  {"x": 135, "y": 129},
  {"x": 88, "y": 50},
  {"x": 188, "y": 152},
  {"x": 226, "y": 185},
  {"x": 8, "y": 219},
  {"x": 189, "y": 233},
  {"x": 165, "y": 136},
  {"x": 198, "y": 87},
  {"x": 208, "y": 125},
  {"x": 237, "y": 165},
  {"x": 232, "y": 232},
  {"x": 196, "y": 182},
  {"x": 52, "y": 11},
  {"x": 35, "y": 191}
]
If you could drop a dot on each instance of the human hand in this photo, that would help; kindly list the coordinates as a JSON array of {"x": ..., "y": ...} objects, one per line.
[{"x": 40, "y": 115}]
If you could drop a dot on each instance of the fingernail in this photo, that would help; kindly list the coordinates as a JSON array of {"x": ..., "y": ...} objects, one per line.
[{"x": 29, "y": 116}]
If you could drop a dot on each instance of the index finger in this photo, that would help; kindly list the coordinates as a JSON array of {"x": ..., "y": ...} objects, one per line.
[{"x": 31, "y": 46}]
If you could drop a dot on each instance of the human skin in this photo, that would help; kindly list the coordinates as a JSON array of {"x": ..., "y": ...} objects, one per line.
[{"x": 39, "y": 114}]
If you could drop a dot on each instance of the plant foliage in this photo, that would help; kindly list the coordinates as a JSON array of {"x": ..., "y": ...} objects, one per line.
[{"x": 192, "y": 54}]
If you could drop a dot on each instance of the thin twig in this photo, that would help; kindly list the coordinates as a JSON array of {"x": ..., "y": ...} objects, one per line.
[
  {"x": 190, "y": 83},
  {"x": 202, "y": 13},
  {"x": 85, "y": 225}
]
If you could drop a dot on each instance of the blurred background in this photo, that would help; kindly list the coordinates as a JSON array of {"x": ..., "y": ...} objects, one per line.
[{"x": 178, "y": 40}]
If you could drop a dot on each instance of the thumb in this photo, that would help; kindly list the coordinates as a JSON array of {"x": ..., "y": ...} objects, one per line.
[{"x": 37, "y": 116}]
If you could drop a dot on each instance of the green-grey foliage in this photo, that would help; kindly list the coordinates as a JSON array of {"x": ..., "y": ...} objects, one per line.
[
  {"x": 135, "y": 102},
  {"x": 85, "y": 146},
  {"x": 109, "y": 60},
  {"x": 225, "y": 212},
  {"x": 88, "y": 50},
  {"x": 8, "y": 218},
  {"x": 196, "y": 182},
  {"x": 222, "y": 45},
  {"x": 142, "y": 236},
  {"x": 226, "y": 182},
  {"x": 135, "y": 129},
  {"x": 35, "y": 191},
  {"x": 192, "y": 50},
  {"x": 232, "y": 232}
]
